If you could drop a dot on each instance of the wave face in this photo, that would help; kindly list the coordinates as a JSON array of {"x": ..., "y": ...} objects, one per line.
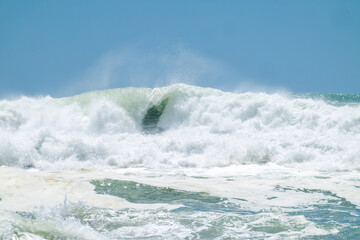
[{"x": 194, "y": 127}]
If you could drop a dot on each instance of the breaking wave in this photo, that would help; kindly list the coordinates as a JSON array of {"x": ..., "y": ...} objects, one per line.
[{"x": 180, "y": 126}]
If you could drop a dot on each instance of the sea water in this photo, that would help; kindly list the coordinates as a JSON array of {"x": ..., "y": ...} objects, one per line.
[{"x": 180, "y": 162}]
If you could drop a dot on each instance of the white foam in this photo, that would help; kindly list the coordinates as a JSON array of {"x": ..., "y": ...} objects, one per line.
[
  {"x": 202, "y": 128},
  {"x": 269, "y": 191},
  {"x": 26, "y": 190}
]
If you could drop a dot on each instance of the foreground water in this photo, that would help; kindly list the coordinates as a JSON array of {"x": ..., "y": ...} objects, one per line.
[{"x": 180, "y": 162}]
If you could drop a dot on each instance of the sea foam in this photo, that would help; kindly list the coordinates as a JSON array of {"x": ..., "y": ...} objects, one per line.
[{"x": 200, "y": 127}]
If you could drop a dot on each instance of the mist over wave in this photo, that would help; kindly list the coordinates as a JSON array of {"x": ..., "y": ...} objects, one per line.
[{"x": 197, "y": 127}]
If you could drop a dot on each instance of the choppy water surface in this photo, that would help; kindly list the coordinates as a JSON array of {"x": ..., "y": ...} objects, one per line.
[{"x": 180, "y": 162}]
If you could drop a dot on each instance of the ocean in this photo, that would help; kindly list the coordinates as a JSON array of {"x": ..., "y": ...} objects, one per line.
[{"x": 180, "y": 162}]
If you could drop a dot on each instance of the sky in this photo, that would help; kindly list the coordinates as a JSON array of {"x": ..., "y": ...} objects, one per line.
[{"x": 66, "y": 47}]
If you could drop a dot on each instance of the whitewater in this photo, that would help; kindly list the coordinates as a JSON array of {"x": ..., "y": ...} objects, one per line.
[{"x": 180, "y": 162}]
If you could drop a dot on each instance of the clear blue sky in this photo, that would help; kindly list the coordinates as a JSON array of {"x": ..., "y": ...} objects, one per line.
[{"x": 301, "y": 46}]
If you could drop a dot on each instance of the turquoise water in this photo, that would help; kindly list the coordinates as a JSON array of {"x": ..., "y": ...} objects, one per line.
[
  {"x": 180, "y": 162},
  {"x": 338, "y": 99}
]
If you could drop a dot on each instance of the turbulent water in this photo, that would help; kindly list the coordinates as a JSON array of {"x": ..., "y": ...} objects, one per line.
[{"x": 180, "y": 162}]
